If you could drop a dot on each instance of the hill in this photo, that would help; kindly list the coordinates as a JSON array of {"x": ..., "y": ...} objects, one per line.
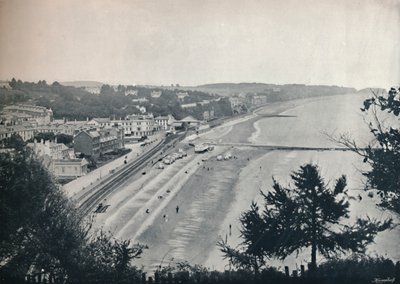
[
  {"x": 76, "y": 103},
  {"x": 369, "y": 91},
  {"x": 273, "y": 91},
  {"x": 80, "y": 84}
]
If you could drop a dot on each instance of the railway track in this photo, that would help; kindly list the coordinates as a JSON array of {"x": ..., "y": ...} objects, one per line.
[{"x": 88, "y": 201}]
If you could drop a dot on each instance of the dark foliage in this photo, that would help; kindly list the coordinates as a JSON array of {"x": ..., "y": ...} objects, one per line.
[
  {"x": 43, "y": 232},
  {"x": 306, "y": 216},
  {"x": 76, "y": 103},
  {"x": 383, "y": 155},
  {"x": 357, "y": 269},
  {"x": 384, "y": 175}
]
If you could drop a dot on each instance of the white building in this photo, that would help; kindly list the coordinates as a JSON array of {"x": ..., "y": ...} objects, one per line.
[
  {"x": 52, "y": 149},
  {"x": 156, "y": 94},
  {"x": 164, "y": 122},
  {"x": 57, "y": 158},
  {"x": 140, "y": 100},
  {"x": 182, "y": 96},
  {"x": 135, "y": 126},
  {"x": 69, "y": 169},
  {"x": 131, "y": 93}
]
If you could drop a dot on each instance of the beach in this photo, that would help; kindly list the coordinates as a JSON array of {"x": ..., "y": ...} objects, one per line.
[{"x": 212, "y": 194}]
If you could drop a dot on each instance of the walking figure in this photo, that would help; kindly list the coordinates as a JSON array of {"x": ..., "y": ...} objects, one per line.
[
  {"x": 147, "y": 211},
  {"x": 230, "y": 230},
  {"x": 177, "y": 209}
]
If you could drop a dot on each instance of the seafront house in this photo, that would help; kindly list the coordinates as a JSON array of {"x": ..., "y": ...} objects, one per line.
[
  {"x": 134, "y": 126},
  {"x": 164, "y": 122}
]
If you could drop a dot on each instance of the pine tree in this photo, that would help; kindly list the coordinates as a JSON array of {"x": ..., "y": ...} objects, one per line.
[{"x": 308, "y": 215}]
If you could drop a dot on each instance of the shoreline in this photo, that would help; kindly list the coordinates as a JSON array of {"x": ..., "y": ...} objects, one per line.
[{"x": 210, "y": 200}]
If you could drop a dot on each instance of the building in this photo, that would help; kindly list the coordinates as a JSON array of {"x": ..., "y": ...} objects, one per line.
[
  {"x": 95, "y": 90},
  {"x": 140, "y": 100},
  {"x": 26, "y": 132},
  {"x": 235, "y": 101},
  {"x": 164, "y": 122},
  {"x": 5, "y": 85},
  {"x": 51, "y": 149},
  {"x": 258, "y": 100},
  {"x": 31, "y": 113},
  {"x": 96, "y": 142},
  {"x": 182, "y": 95},
  {"x": 131, "y": 93},
  {"x": 111, "y": 139},
  {"x": 134, "y": 126},
  {"x": 69, "y": 169},
  {"x": 88, "y": 143},
  {"x": 56, "y": 128},
  {"x": 191, "y": 105},
  {"x": 208, "y": 115},
  {"x": 142, "y": 109},
  {"x": 156, "y": 94},
  {"x": 190, "y": 122},
  {"x": 137, "y": 126},
  {"x": 57, "y": 158}
]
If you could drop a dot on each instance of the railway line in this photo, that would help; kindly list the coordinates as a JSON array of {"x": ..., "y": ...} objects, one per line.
[{"x": 91, "y": 198}]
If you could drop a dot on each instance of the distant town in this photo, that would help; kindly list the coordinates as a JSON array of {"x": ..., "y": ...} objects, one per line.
[{"x": 25, "y": 114}]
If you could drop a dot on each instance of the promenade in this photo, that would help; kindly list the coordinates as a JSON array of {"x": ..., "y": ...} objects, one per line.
[{"x": 76, "y": 187}]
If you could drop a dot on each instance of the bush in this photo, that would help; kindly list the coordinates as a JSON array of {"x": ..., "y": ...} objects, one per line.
[{"x": 356, "y": 269}]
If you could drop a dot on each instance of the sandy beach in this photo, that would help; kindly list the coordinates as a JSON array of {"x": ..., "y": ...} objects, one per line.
[{"x": 212, "y": 194}]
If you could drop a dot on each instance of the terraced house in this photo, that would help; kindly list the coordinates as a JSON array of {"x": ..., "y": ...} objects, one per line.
[
  {"x": 96, "y": 142},
  {"x": 135, "y": 126}
]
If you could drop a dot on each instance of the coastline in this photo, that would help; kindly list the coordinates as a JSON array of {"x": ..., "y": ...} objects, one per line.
[{"x": 211, "y": 195}]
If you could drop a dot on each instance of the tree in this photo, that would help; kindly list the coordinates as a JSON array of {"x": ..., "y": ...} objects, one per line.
[
  {"x": 42, "y": 229},
  {"x": 13, "y": 83},
  {"x": 305, "y": 216},
  {"x": 383, "y": 155}
]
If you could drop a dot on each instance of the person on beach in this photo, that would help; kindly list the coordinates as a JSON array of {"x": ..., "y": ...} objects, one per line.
[
  {"x": 147, "y": 210},
  {"x": 230, "y": 230},
  {"x": 177, "y": 209}
]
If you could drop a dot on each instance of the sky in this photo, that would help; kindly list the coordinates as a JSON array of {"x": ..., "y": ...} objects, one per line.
[{"x": 354, "y": 43}]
